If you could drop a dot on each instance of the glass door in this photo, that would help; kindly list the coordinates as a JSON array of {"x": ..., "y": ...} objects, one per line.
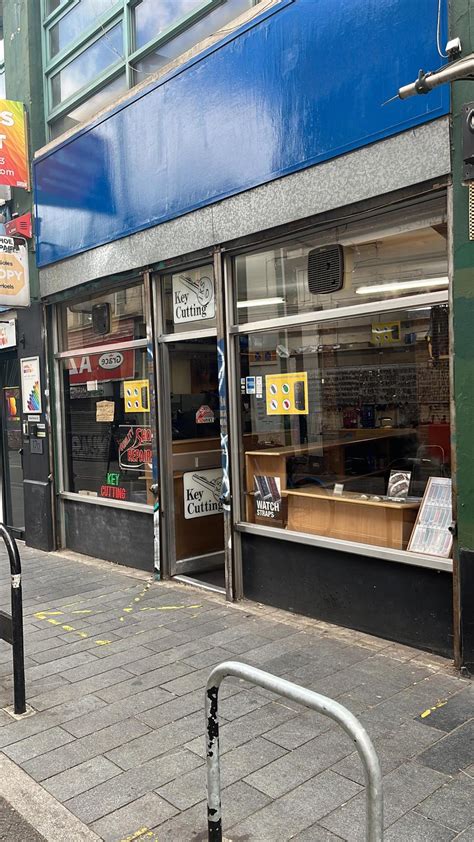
[{"x": 196, "y": 460}]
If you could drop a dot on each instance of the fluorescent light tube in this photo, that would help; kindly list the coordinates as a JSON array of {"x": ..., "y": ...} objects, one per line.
[
  {"x": 259, "y": 302},
  {"x": 401, "y": 286}
]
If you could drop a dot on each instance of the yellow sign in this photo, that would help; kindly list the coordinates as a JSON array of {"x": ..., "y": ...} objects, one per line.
[
  {"x": 386, "y": 333},
  {"x": 136, "y": 394},
  {"x": 287, "y": 394}
]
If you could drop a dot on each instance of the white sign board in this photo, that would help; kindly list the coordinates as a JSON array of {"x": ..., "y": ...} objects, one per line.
[
  {"x": 30, "y": 385},
  {"x": 201, "y": 492},
  {"x": 14, "y": 275},
  {"x": 193, "y": 296}
]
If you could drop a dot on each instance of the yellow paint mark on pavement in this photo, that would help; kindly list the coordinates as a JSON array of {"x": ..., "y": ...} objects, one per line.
[
  {"x": 168, "y": 607},
  {"x": 141, "y": 833},
  {"x": 102, "y": 642},
  {"x": 43, "y": 615},
  {"x": 53, "y": 622},
  {"x": 84, "y": 611},
  {"x": 69, "y": 628},
  {"x": 429, "y": 711}
]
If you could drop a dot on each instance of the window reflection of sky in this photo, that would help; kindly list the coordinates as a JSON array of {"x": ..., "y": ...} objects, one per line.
[
  {"x": 75, "y": 22},
  {"x": 151, "y": 17},
  {"x": 90, "y": 107},
  {"x": 88, "y": 65},
  {"x": 202, "y": 29}
]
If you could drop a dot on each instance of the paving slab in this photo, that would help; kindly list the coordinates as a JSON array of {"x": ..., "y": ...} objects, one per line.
[{"x": 117, "y": 740}]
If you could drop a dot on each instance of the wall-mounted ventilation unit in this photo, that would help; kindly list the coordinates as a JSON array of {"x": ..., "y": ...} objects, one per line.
[{"x": 326, "y": 269}]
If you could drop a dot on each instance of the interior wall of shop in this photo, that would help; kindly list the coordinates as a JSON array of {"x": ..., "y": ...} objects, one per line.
[
  {"x": 402, "y": 602},
  {"x": 114, "y": 534},
  {"x": 291, "y": 77}
]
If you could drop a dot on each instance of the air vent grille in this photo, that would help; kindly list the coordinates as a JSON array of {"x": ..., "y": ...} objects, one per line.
[{"x": 325, "y": 269}]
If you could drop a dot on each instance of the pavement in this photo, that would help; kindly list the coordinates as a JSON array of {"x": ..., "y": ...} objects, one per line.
[{"x": 114, "y": 749}]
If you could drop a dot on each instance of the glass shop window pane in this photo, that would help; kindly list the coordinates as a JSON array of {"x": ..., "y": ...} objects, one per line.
[
  {"x": 116, "y": 316},
  {"x": 104, "y": 53},
  {"x": 189, "y": 300},
  {"x": 107, "y": 428},
  {"x": 152, "y": 18},
  {"x": 88, "y": 109},
  {"x": 71, "y": 26},
  {"x": 312, "y": 273},
  {"x": 345, "y": 425},
  {"x": 195, "y": 33},
  {"x": 2, "y": 85}
]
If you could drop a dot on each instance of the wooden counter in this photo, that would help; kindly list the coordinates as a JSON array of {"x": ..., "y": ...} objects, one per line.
[{"x": 347, "y": 516}]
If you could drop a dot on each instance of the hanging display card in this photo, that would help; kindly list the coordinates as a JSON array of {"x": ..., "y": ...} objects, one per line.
[
  {"x": 287, "y": 394},
  {"x": 431, "y": 533},
  {"x": 104, "y": 411}
]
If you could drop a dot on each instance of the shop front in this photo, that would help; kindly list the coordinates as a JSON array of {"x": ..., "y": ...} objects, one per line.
[{"x": 273, "y": 419}]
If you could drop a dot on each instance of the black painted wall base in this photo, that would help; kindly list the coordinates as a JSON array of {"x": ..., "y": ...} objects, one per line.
[
  {"x": 408, "y": 604},
  {"x": 466, "y": 593},
  {"x": 125, "y": 537}
]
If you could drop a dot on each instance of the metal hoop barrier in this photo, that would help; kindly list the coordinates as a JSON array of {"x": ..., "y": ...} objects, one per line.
[
  {"x": 11, "y": 627},
  {"x": 322, "y": 704}
]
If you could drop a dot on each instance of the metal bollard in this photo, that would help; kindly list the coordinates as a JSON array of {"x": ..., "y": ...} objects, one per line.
[
  {"x": 11, "y": 627},
  {"x": 296, "y": 693}
]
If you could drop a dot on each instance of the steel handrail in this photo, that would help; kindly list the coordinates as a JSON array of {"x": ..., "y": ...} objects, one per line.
[
  {"x": 15, "y": 622},
  {"x": 296, "y": 693}
]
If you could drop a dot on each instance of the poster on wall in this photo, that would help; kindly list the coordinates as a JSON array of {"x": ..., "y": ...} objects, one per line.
[
  {"x": 287, "y": 394},
  {"x": 193, "y": 296},
  {"x": 8, "y": 334},
  {"x": 431, "y": 534},
  {"x": 31, "y": 385},
  {"x": 267, "y": 497},
  {"x": 14, "y": 272},
  {"x": 202, "y": 493},
  {"x": 14, "y": 169}
]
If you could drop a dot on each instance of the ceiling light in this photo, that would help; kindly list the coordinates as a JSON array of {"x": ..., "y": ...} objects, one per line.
[
  {"x": 259, "y": 302},
  {"x": 402, "y": 286}
]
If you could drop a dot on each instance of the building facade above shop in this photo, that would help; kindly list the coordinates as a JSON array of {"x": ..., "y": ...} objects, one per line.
[{"x": 280, "y": 94}]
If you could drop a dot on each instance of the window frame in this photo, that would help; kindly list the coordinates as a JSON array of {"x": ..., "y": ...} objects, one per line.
[
  {"x": 120, "y": 12},
  {"x": 58, "y": 355},
  {"x": 237, "y": 455}
]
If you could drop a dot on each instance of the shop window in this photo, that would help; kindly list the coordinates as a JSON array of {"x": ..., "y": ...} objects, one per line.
[
  {"x": 329, "y": 271},
  {"x": 189, "y": 300},
  {"x": 346, "y": 429},
  {"x": 103, "y": 53},
  {"x": 105, "y": 319},
  {"x": 107, "y": 428},
  {"x": 148, "y": 24},
  {"x": 72, "y": 24}
]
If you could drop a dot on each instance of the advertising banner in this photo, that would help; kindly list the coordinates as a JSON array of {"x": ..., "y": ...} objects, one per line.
[
  {"x": 31, "y": 385},
  {"x": 14, "y": 170},
  {"x": 94, "y": 368},
  {"x": 14, "y": 275}
]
